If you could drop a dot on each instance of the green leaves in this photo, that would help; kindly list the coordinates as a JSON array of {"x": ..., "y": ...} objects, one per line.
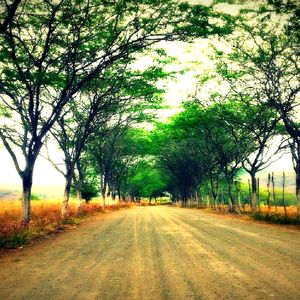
[{"x": 4, "y": 111}]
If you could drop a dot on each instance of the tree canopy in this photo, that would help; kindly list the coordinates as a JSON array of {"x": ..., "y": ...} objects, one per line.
[{"x": 68, "y": 74}]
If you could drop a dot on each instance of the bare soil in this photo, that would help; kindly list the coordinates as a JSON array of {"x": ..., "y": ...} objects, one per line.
[{"x": 157, "y": 253}]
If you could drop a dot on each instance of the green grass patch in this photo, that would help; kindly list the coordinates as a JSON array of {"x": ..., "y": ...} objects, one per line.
[
  {"x": 73, "y": 221},
  {"x": 16, "y": 239}
]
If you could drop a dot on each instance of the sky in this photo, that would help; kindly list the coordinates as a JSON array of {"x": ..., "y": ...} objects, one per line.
[{"x": 192, "y": 56}]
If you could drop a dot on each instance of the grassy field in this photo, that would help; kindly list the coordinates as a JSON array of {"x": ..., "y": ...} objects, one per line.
[{"x": 45, "y": 219}]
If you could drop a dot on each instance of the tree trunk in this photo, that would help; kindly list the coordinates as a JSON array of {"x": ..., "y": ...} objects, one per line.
[
  {"x": 222, "y": 199},
  {"x": 78, "y": 195},
  {"x": 103, "y": 192},
  {"x": 253, "y": 192},
  {"x": 249, "y": 188},
  {"x": 197, "y": 198},
  {"x": 211, "y": 201},
  {"x": 239, "y": 199},
  {"x": 108, "y": 195},
  {"x": 78, "y": 187},
  {"x": 78, "y": 183},
  {"x": 65, "y": 205},
  {"x": 233, "y": 207},
  {"x": 200, "y": 196},
  {"x": 214, "y": 184},
  {"x": 119, "y": 194},
  {"x": 238, "y": 190},
  {"x": 102, "y": 187},
  {"x": 79, "y": 201},
  {"x": 297, "y": 170},
  {"x": 26, "y": 195}
]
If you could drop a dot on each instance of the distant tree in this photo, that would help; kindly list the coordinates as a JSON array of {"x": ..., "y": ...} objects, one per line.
[
  {"x": 228, "y": 143},
  {"x": 148, "y": 181},
  {"x": 190, "y": 120},
  {"x": 117, "y": 158},
  {"x": 180, "y": 153}
]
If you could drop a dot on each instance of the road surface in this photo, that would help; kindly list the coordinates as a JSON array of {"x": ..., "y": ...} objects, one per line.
[{"x": 157, "y": 253}]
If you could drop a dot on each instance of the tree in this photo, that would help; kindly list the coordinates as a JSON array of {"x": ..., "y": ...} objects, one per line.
[
  {"x": 259, "y": 124},
  {"x": 87, "y": 179},
  {"x": 264, "y": 65},
  {"x": 226, "y": 143},
  {"x": 123, "y": 97},
  {"x": 50, "y": 50},
  {"x": 180, "y": 153},
  {"x": 117, "y": 155},
  {"x": 130, "y": 151},
  {"x": 148, "y": 181}
]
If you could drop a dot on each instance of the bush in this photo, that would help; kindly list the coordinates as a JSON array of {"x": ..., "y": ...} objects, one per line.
[
  {"x": 89, "y": 190},
  {"x": 35, "y": 197},
  {"x": 15, "y": 238}
]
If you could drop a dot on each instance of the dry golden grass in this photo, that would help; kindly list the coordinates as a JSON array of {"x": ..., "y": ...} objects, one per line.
[
  {"x": 45, "y": 219},
  {"x": 274, "y": 215},
  {"x": 291, "y": 210}
]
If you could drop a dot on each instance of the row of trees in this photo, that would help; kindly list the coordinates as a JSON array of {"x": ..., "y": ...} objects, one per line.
[
  {"x": 216, "y": 137},
  {"x": 67, "y": 73},
  {"x": 197, "y": 154},
  {"x": 66, "y": 70},
  {"x": 235, "y": 128}
]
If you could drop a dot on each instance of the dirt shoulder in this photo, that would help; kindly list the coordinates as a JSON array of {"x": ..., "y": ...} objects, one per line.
[{"x": 157, "y": 253}]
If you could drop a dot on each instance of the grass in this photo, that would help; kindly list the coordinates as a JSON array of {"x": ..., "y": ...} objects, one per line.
[
  {"x": 45, "y": 219},
  {"x": 290, "y": 198},
  {"x": 264, "y": 214},
  {"x": 277, "y": 216},
  {"x": 273, "y": 215}
]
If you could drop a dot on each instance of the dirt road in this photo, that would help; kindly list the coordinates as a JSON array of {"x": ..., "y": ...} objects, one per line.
[{"x": 157, "y": 253}]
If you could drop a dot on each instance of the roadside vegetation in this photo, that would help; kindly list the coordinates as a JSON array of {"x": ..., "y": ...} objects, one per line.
[{"x": 46, "y": 220}]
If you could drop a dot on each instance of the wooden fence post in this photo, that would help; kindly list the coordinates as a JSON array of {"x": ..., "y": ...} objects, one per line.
[
  {"x": 283, "y": 194},
  {"x": 269, "y": 193},
  {"x": 258, "y": 195},
  {"x": 249, "y": 186},
  {"x": 273, "y": 191}
]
